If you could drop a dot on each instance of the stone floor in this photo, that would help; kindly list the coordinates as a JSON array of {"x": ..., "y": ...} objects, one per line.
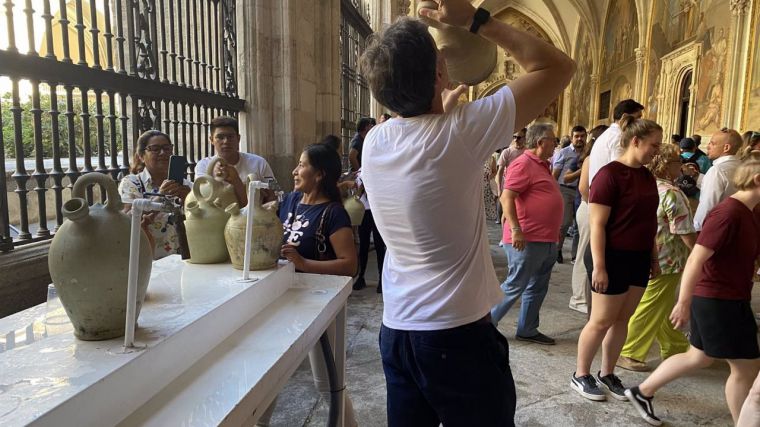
[{"x": 541, "y": 373}]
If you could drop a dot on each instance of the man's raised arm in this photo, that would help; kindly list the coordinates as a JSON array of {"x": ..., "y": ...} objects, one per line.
[{"x": 547, "y": 69}]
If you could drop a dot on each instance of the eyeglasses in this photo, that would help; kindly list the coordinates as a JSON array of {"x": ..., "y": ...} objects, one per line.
[
  {"x": 516, "y": 137},
  {"x": 159, "y": 148},
  {"x": 219, "y": 137}
]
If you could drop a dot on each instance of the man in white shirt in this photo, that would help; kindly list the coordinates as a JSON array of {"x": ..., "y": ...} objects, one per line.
[
  {"x": 237, "y": 166},
  {"x": 444, "y": 361},
  {"x": 717, "y": 182},
  {"x": 607, "y": 147}
]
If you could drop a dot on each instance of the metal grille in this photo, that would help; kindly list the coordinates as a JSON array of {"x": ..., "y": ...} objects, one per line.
[
  {"x": 112, "y": 69},
  {"x": 355, "y": 94}
]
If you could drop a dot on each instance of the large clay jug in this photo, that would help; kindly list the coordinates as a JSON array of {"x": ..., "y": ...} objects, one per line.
[
  {"x": 89, "y": 261},
  {"x": 224, "y": 191},
  {"x": 205, "y": 222},
  {"x": 470, "y": 58},
  {"x": 267, "y": 235},
  {"x": 355, "y": 209}
]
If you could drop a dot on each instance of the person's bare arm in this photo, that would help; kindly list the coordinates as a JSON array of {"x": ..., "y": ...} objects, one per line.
[
  {"x": 451, "y": 97},
  {"x": 345, "y": 263},
  {"x": 598, "y": 217},
  {"x": 547, "y": 69},
  {"x": 583, "y": 184},
  {"x": 689, "y": 239},
  {"x": 691, "y": 273},
  {"x": 500, "y": 177},
  {"x": 556, "y": 172},
  {"x": 571, "y": 176},
  {"x": 509, "y": 207}
]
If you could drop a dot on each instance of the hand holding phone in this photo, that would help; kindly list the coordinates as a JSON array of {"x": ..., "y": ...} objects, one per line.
[{"x": 177, "y": 167}]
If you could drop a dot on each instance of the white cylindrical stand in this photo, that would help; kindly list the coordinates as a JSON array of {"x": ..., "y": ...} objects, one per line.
[
  {"x": 138, "y": 206},
  {"x": 249, "y": 230}
]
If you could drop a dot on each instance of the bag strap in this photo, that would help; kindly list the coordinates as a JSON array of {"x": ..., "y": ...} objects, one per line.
[{"x": 319, "y": 235}]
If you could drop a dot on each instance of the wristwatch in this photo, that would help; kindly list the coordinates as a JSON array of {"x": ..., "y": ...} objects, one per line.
[
  {"x": 481, "y": 17},
  {"x": 516, "y": 229}
]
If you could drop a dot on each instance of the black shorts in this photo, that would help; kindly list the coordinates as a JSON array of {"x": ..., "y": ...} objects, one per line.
[
  {"x": 724, "y": 329},
  {"x": 624, "y": 269}
]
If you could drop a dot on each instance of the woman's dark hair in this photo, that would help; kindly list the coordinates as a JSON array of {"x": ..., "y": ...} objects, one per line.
[
  {"x": 142, "y": 142},
  {"x": 326, "y": 161},
  {"x": 331, "y": 141},
  {"x": 400, "y": 66}
]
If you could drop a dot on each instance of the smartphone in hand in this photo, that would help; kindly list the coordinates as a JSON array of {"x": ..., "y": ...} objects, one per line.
[{"x": 177, "y": 168}]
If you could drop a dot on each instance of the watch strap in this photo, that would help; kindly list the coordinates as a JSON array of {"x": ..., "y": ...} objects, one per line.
[{"x": 481, "y": 17}]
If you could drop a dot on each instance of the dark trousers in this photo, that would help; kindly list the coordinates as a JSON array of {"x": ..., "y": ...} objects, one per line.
[
  {"x": 368, "y": 226},
  {"x": 458, "y": 377}
]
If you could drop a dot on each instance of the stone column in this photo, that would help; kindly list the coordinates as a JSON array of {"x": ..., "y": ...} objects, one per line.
[
  {"x": 594, "y": 108},
  {"x": 289, "y": 76},
  {"x": 738, "y": 67},
  {"x": 638, "y": 89}
]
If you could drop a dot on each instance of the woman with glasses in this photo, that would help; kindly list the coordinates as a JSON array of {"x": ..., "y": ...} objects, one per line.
[
  {"x": 150, "y": 172},
  {"x": 675, "y": 239}
]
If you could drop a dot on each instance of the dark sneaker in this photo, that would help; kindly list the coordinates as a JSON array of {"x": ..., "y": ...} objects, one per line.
[
  {"x": 359, "y": 284},
  {"x": 539, "y": 338},
  {"x": 643, "y": 405},
  {"x": 613, "y": 384},
  {"x": 586, "y": 386},
  {"x": 560, "y": 260}
]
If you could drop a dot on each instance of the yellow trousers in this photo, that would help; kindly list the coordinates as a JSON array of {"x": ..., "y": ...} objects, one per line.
[{"x": 651, "y": 321}]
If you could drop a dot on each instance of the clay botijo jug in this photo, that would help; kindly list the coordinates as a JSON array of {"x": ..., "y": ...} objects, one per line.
[
  {"x": 89, "y": 261},
  {"x": 267, "y": 235},
  {"x": 470, "y": 59},
  {"x": 205, "y": 222},
  {"x": 225, "y": 192},
  {"x": 355, "y": 210}
]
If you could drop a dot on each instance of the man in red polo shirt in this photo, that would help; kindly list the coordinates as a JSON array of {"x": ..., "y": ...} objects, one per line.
[{"x": 533, "y": 206}]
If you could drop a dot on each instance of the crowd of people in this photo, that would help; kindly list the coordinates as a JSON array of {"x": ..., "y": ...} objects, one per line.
[{"x": 666, "y": 237}]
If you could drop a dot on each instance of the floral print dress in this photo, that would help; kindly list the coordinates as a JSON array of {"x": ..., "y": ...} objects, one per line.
[
  {"x": 163, "y": 231},
  {"x": 674, "y": 218}
]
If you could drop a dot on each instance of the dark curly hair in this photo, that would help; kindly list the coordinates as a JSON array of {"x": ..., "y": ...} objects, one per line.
[{"x": 400, "y": 66}]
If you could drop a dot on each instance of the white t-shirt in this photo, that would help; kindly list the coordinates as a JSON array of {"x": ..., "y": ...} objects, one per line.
[
  {"x": 606, "y": 149},
  {"x": 425, "y": 177},
  {"x": 247, "y": 165}
]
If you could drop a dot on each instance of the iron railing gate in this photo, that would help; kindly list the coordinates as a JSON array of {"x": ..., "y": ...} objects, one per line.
[{"x": 104, "y": 77}]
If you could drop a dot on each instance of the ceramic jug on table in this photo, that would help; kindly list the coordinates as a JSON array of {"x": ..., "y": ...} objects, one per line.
[
  {"x": 205, "y": 222},
  {"x": 470, "y": 59},
  {"x": 267, "y": 234},
  {"x": 89, "y": 261},
  {"x": 224, "y": 192}
]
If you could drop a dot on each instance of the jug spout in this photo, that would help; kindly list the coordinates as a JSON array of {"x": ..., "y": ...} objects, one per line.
[
  {"x": 194, "y": 209},
  {"x": 75, "y": 209},
  {"x": 232, "y": 209}
]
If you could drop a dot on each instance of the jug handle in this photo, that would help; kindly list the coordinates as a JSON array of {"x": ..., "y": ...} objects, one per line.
[
  {"x": 205, "y": 179},
  {"x": 113, "y": 199},
  {"x": 214, "y": 161}
]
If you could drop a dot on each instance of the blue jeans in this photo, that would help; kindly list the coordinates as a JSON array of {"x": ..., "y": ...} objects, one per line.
[
  {"x": 529, "y": 273},
  {"x": 458, "y": 377}
]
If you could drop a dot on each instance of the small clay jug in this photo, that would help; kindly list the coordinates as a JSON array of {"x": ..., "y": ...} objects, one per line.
[
  {"x": 224, "y": 192},
  {"x": 355, "y": 209},
  {"x": 89, "y": 261},
  {"x": 267, "y": 235},
  {"x": 470, "y": 58},
  {"x": 205, "y": 222}
]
